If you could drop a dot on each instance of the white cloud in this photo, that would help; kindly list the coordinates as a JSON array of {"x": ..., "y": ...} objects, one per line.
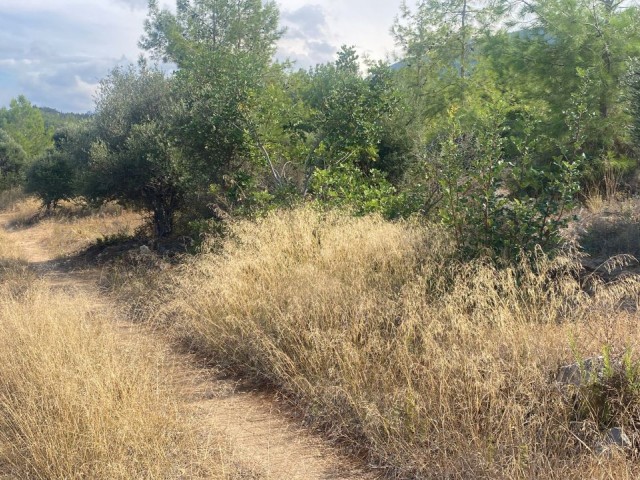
[
  {"x": 135, "y": 4},
  {"x": 51, "y": 51},
  {"x": 308, "y": 39},
  {"x": 89, "y": 89},
  {"x": 316, "y": 28},
  {"x": 55, "y": 51}
]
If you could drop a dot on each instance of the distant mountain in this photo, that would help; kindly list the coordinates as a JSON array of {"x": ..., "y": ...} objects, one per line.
[{"x": 55, "y": 119}]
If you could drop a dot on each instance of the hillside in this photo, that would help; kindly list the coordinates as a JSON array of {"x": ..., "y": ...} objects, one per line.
[{"x": 54, "y": 119}]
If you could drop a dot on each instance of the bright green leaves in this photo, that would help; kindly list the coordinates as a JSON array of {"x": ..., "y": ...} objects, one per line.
[
  {"x": 345, "y": 186},
  {"x": 25, "y": 124},
  {"x": 497, "y": 208},
  {"x": 345, "y": 112}
]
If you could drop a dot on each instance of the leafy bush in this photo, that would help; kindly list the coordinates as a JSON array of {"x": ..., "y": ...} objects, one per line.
[
  {"x": 12, "y": 161},
  {"x": 51, "y": 178},
  {"x": 346, "y": 186},
  {"x": 499, "y": 208}
]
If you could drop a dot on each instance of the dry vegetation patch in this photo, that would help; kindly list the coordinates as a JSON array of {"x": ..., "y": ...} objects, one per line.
[
  {"x": 438, "y": 369},
  {"x": 70, "y": 227},
  {"x": 81, "y": 394},
  {"x": 76, "y": 401}
]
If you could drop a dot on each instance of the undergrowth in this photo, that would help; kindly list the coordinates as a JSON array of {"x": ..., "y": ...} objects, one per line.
[{"x": 437, "y": 368}]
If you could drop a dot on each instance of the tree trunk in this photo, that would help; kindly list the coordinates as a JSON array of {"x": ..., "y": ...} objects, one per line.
[
  {"x": 162, "y": 220},
  {"x": 463, "y": 40}
]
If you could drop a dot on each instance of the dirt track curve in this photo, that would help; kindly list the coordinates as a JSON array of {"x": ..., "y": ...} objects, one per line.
[{"x": 264, "y": 442}]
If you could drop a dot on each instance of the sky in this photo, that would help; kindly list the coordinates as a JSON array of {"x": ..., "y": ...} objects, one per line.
[{"x": 56, "y": 51}]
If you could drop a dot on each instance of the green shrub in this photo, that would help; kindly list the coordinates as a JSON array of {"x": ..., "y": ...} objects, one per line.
[
  {"x": 345, "y": 186},
  {"x": 498, "y": 208},
  {"x": 12, "y": 161},
  {"x": 51, "y": 179},
  {"x": 610, "y": 396}
]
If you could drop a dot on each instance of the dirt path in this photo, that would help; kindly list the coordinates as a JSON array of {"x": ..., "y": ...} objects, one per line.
[{"x": 264, "y": 443}]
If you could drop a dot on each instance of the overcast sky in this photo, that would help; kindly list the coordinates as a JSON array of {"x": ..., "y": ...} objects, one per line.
[{"x": 55, "y": 51}]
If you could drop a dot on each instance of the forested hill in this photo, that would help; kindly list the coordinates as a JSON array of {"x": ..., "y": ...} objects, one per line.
[{"x": 55, "y": 119}]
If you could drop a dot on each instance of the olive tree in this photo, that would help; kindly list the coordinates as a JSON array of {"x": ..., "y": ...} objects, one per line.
[{"x": 133, "y": 158}]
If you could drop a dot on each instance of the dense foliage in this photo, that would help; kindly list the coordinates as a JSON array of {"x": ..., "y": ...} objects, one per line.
[
  {"x": 495, "y": 117},
  {"x": 12, "y": 160}
]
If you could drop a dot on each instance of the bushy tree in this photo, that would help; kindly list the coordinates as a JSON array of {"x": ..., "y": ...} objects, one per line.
[
  {"x": 25, "y": 124},
  {"x": 56, "y": 175},
  {"x": 339, "y": 115},
  {"x": 12, "y": 161},
  {"x": 133, "y": 158},
  {"x": 566, "y": 47},
  {"x": 51, "y": 178},
  {"x": 439, "y": 40},
  {"x": 223, "y": 52}
]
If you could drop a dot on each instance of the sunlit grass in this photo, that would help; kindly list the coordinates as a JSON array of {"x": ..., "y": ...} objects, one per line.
[
  {"x": 70, "y": 228},
  {"x": 79, "y": 401},
  {"x": 438, "y": 368},
  {"x": 81, "y": 394}
]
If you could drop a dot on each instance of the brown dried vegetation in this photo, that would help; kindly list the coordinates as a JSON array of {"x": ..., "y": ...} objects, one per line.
[{"x": 438, "y": 369}]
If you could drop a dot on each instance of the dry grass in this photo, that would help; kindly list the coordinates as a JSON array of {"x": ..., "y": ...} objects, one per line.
[
  {"x": 436, "y": 368},
  {"x": 70, "y": 227},
  {"x": 78, "y": 402},
  {"x": 80, "y": 396},
  {"x": 14, "y": 270}
]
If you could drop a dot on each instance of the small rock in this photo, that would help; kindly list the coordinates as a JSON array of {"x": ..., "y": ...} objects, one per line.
[
  {"x": 577, "y": 373},
  {"x": 613, "y": 438},
  {"x": 144, "y": 250},
  {"x": 617, "y": 436}
]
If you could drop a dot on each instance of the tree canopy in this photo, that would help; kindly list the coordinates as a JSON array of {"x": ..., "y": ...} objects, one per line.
[
  {"x": 25, "y": 124},
  {"x": 494, "y": 117}
]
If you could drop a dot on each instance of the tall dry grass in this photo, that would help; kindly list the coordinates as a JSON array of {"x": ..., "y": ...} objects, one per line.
[
  {"x": 438, "y": 369},
  {"x": 70, "y": 227},
  {"x": 76, "y": 401},
  {"x": 83, "y": 395}
]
